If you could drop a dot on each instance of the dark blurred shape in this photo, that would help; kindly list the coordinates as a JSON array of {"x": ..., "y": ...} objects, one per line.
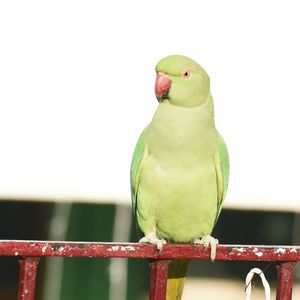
[{"x": 23, "y": 221}]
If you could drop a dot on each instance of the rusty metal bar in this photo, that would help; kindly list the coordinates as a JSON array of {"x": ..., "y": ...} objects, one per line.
[
  {"x": 158, "y": 281},
  {"x": 133, "y": 250},
  {"x": 27, "y": 277},
  {"x": 285, "y": 256},
  {"x": 285, "y": 275}
]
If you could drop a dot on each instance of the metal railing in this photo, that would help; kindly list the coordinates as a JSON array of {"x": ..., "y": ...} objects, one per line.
[{"x": 31, "y": 252}]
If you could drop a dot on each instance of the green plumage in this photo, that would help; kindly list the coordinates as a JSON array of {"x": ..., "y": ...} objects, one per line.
[{"x": 180, "y": 167}]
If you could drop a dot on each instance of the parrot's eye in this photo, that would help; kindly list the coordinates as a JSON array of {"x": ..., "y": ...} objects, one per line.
[{"x": 186, "y": 74}]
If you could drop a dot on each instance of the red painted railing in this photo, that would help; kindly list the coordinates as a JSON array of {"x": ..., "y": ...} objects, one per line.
[{"x": 30, "y": 253}]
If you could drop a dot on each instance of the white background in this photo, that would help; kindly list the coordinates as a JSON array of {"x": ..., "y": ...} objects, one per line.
[{"x": 76, "y": 89}]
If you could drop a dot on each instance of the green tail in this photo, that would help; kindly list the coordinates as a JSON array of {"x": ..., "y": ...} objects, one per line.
[{"x": 176, "y": 277}]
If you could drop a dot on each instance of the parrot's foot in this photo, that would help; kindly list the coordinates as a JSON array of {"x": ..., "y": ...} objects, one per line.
[
  {"x": 206, "y": 241},
  {"x": 151, "y": 238}
]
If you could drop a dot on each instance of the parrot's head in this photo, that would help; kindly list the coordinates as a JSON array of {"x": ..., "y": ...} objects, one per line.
[{"x": 181, "y": 81}]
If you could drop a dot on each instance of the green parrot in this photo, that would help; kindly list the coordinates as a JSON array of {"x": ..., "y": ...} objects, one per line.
[{"x": 180, "y": 166}]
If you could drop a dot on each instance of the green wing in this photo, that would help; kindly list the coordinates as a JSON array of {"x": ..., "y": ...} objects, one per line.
[
  {"x": 222, "y": 171},
  {"x": 139, "y": 154}
]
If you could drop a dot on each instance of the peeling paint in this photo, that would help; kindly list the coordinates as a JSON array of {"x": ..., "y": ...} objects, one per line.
[
  {"x": 259, "y": 254},
  {"x": 16, "y": 253},
  {"x": 122, "y": 248},
  {"x": 44, "y": 248},
  {"x": 130, "y": 248},
  {"x": 293, "y": 250},
  {"x": 280, "y": 250},
  {"x": 241, "y": 250}
]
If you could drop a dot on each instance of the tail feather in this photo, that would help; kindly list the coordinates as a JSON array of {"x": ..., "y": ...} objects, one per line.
[{"x": 176, "y": 278}]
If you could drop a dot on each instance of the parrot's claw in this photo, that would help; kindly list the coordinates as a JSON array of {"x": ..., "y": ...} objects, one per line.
[
  {"x": 206, "y": 241},
  {"x": 151, "y": 238}
]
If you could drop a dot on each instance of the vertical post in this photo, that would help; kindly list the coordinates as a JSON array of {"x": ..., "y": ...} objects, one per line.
[
  {"x": 285, "y": 280},
  {"x": 158, "y": 280},
  {"x": 27, "y": 277}
]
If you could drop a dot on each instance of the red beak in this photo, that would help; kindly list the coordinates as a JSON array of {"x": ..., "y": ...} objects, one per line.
[{"x": 162, "y": 85}]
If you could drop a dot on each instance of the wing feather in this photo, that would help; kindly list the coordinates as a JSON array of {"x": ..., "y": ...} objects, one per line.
[
  {"x": 139, "y": 154},
  {"x": 222, "y": 172}
]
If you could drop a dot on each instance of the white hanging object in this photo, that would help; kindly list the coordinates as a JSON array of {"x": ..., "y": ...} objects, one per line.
[{"x": 264, "y": 282}]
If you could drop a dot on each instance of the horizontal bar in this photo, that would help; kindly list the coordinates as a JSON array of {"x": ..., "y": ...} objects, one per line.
[{"x": 135, "y": 250}]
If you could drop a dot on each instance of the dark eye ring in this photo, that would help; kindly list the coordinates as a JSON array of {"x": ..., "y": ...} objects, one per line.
[{"x": 186, "y": 74}]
